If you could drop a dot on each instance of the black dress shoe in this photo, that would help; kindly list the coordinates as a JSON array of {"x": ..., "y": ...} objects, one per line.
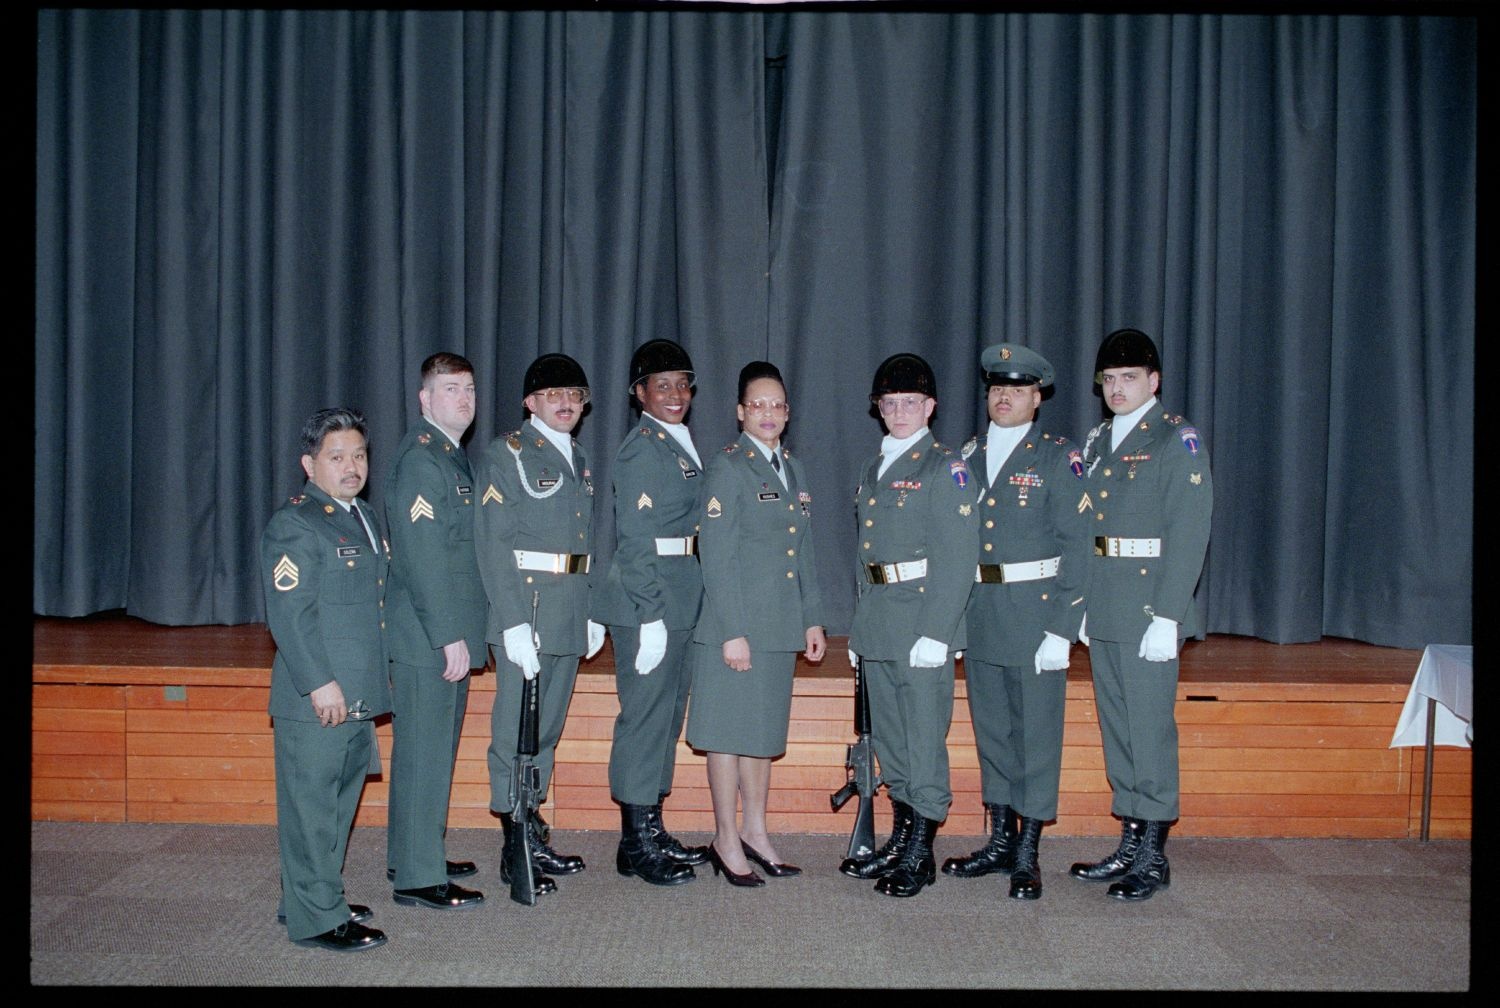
[
  {"x": 748, "y": 880},
  {"x": 768, "y": 866},
  {"x": 351, "y": 936},
  {"x": 455, "y": 869},
  {"x": 358, "y": 912},
  {"x": 446, "y": 896}
]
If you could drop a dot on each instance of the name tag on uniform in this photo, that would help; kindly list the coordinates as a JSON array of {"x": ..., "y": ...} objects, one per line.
[
  {"x": 465, "y": 489},
  {"x": 768, "y": 495},
  {"x": 546, "y": 484},
  {"x": 689, "y": 473},
  {"x": 349, "y": 551}
]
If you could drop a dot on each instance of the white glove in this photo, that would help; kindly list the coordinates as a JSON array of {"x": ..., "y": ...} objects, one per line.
[
  {"x": 853, "y": 659},
  {"x": 927, "y": 653},
  {"x": 1159, "y": 642},
  {"x": 520, "y": 649},
  {"x": 596, "y": 638},
  {"x": 1051, "y": 654},
  {"x": 653, "y": 647},
  {"x": 1083, "y": 637}
]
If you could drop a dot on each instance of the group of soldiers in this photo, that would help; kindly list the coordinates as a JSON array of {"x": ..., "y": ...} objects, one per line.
[{"x": 1004, "y": 562}]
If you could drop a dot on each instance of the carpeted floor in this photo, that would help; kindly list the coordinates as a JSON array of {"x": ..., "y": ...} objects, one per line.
[{"x": 174, "y": 904}]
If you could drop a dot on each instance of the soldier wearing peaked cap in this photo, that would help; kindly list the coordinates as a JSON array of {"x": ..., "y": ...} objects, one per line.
[
  {"x": 914, "y": 571},
  {"x": 1023, "y": 614},
  {"x": 323, "y": 569},
  {"x": 535, "y": 541},
  {"x": 650, "y": 600},
  {"x": 435, "y": 612},
  {"x": 1149, "y": 496}
]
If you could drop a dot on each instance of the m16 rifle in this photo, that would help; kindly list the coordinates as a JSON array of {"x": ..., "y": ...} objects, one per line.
[{"x": 859, "y": 761}]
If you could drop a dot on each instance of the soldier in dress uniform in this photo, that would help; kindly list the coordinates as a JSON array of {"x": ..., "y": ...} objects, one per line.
[
  {"x": 915, "y": 568},
  {"x": 535, "y": 540},
  {"x": 1149, "y": 496},
  {"x": 650, "y": 600},
  {"x": 1023, "y": 614},
  {"x": 323, "y": 569},
  {"x": 435, "y": 612}
]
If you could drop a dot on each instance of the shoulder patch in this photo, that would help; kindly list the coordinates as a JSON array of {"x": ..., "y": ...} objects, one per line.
[
  {"x": 1075, "y": 462},
  {"x": 1189, "y": 437},
  {"x": 959, "y": 470}
]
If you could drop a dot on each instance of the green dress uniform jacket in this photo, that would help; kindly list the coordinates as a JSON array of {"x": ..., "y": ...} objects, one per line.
[
  {"x": 436, "y": 595},
  {"x": 1154, "y": 494},
  {"x": 324, "y": 584},
  {"x": 760, "y": 583},
  {"x": 1028, "y": 514},
  {"x": 325, "y": 588},
  {"x": 921, "y": 508},
  {"x": 531, "y": 501},
  {"x": 435, "y": 598},
  {"x": 658, "y": 495}
]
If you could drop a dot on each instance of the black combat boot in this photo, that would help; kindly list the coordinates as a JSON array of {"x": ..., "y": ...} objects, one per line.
[
  {"x": 1149, "y": 869},
  {"x": 1118, "y": 863},
  {"x": 670, "y": 845},
  {"x": 541, "y": 883},
  {"x": 548, "y": 860},
  {"x": 885, "y": 858},
  {"x": 917, "y": 868},
  {"x": 1026, "y": 876},
  {"x": 999, "y": 852},
  {"x": 639, "y": 855}
]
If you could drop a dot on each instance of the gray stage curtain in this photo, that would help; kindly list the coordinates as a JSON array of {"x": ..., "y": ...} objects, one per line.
[{"x": 243, "y": 216}]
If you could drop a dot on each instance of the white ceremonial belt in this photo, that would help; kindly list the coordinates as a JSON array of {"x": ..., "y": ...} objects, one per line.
[
  {"x": 552, "y": 563},
  {"x": 1032, "y": 570},
  {"x": 892, "y": 573},
  {"x": 681, "y": 546},
  {"x": 1114, "y": 546}
]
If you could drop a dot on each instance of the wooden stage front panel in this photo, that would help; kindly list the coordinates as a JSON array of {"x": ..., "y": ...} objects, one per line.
[{"x": 133, "y": 722}]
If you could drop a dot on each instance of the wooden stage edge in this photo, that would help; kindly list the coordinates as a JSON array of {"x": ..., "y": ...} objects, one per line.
[{"x": 133, "y": 722}]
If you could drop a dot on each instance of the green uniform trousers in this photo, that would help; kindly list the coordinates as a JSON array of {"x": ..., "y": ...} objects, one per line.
[
  {"x": 644, "y": 752},
  {"x": 320, "y": 773},
  {"x": 427, "y": 721},
  {"x": 1137, "y": 701},
  {"x": 1018, "y": 728},
  {"x": 910, "y": 710},
  {"x": 556, "y": 678}
]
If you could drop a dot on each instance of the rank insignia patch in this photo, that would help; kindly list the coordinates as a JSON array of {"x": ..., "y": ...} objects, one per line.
[
  {"x": 286, "y": 576},
  {"x": 959, "y": 470},
  {"x": 642, "y": 502},
  {"x": 1075, "y": 463},
  {"x": 421, "y": 509},
  {"x": 1189, "y": 437},
  {"x": 491, "y": 494},
  {"x": 424, "y": 438},
  {"x": 1084, "y": 503},
  {"x": 715, "y": 509}
]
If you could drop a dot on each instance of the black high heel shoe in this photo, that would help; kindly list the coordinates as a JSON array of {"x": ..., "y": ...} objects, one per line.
[
  {"x": 768, "y": 866},
  {"x": 749, "y": 879}
]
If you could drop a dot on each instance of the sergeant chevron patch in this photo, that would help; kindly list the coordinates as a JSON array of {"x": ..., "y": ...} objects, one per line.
[
  {"x": 421, "y": 509},
  {"x": 286, "y": 576},
  {"x": 643, "y": 503}
]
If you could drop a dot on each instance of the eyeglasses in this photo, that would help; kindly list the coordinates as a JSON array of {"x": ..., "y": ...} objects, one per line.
[
  {"x": 576, "y": 396},
  {"x": 776, "y": 407},
  {"x": 889, "y": 405}
]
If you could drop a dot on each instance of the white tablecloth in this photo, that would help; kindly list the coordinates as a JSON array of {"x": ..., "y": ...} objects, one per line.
[{"x": 1446, "y": 674}]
